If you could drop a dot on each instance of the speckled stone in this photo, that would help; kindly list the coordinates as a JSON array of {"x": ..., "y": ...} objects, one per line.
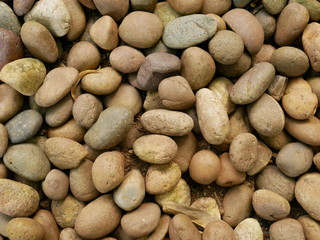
[{"x": 8, "y": 19}]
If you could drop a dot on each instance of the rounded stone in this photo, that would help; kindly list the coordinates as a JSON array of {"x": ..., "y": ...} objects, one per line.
[
  {"x": 181, "y": 227},
  {"x": 141, "y": 29},
  {"x": 3, "y": 140},
  {"x": 248, "y": 229},
  {"x": 165, "y": 12},
  {"x": 186, "y": 8},
  {"x": 39, "y": 41},
  {"x": 53, "y": 14},
  {"x": 28, "y": 161},
  {"x": 11, "y": 47},
  {"x": 208, "y": 204},
  {"x": 18, "y": 199},
  {"x": 56, "y": 185},
  {"x": 11, "y": 102},
  {"x": 130, "y": 194},
  {"x": 116, "y": 9},
  {"x": 188, "y": 31},
  {"x": 25, "y": 228},
  {"x": 8, "y": 19},
  {"x": 24, "y": 126},
  {"x": 77, "y": 19},
  {"x": 287, "y": 228},
  {"x": 267, "y": 22},
  {"x": 118, "y": 120},
  {"x": 25, "y": 75},
  {"x": 161, "y": 178},
  {"x": 274, "y": 7},
  {"x": 310, "y": 41},
  {"x": 21, "y": 7}
]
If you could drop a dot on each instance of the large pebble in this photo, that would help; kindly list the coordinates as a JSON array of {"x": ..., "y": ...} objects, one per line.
[
  {"x": 17, "y": 199},
  {"x": 24, "y": 126},
  {"x": 237, "y": 204},
  {"x": 188, "y": 31},
  {"x": 186, "y": 8},
  {"x": 141, "y": 29},
  {"x": 266, "y": 116},
  {"x": 108, "y": 171},
  {"x": 60, "y": 112},
  {"x": 130, "y": 194},
  {"x": 271, "y": 178},
  {"x": 248, "y": 229},
  {"x": 161, "y": 178},
  {"x": 69, "y": 130},
  {"x": 156, "y": 67},
  {"x": 53, "y": 14},
  {"x": 98, "y": 218},
  {"x": 77, "y": 19},
  {"x": 81, "y": 183},
  {"x": 141, "y": 221},
  {"x": 65, "y": 153},
  {"x": 180, "y": 194},
  {"x": 252, "y": 33},
  {"x": 237, "y": 69},
  {"x": 197, "y": 67},
  {"x": 10, "y": 103},
  {"x": 46, "y": 219},
  {"x": 103, "y": 82},
  {"x": 56, "y": 185},
  {"x": 8, "y": 19},
  {"x": 313, "y": 7},
  {"x": 25, "y": 228},
  {"x": 251, "y": 85},
  {"x": 288, "y": 228},
  {"x": 69, "y": 233},
  {"x": 162, "y": 229},
  {"x": 25, "y": 75},
  {"x": 110, "y": 128},
  {"x": 269, "y": 205},
  {"x": 310, "y": 41},
  {"x": 311, "y": 228},
  {"x": 11, "y": 47},
  {"x": 264, "y": 158},
  {"x": 21, "y": 7},
  {"x": 3, "y": 140},
  {"x": 290, "y": 24},
  {"x": 167, "y": 122},
  {"x": 274, "y": 7},
  {"x": 165, "y": 12},
  {"x": 116, "y": 9},
  {"x": 57, "y": 84},
  {"x": 213, "y": 117},
  {"x": 307, "y": 194},
  {"x": 157, "y": 149},
  {"x": 218, "y": 230},
  {"x": 267, "y": 22},
  {"x": 181, "y": 227},
  {"x": 28, "y": 161},
  {"x": 66, "y": 211},
  {"x": 39, "y": 41},
  {"x": 216, "y": 6}
]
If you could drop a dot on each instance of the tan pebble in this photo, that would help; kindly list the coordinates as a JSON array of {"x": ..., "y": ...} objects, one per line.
[
  {"x": 218, "y": 230},
  {"x": 186, "y": 8},
  {"x": 237, "y": 69},
  {"x": 165, "y": 12},
  {"x": 267, "y": 22},
  {"x": 215, "y": 6},
  {"x": 207, "y": 204},
  {"x": 288, "y": 227},
  {"x": 310, "y": 41},
  {"x": 69, "y": 234},
  {"x": 248, "y": 229},
  {"x": 88, "y": 3},
  {"x": 3, "y": 140},
  {"x": 77, "y": 19},
  {"x": 264, "y": 55},
  {"x": 56, "y": 185},
  {"x": 25, "y": 228},
  {"x": 116, "y": 9},
  {"x": 11, "y": 102},
  {"x": 311, "y": 228},
  {"x": 181, "y": 227},
  {"x": 50, "y": 227},
  {"x": 21, "y": 7},
  {"x": 221, "y": 23}
]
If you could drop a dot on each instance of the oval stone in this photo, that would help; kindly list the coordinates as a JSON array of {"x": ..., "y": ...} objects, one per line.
[
  {"x": 110, "y": 128},
  {"x": 17, "y": 199},
  {"x": 25, "y": 75},
  {"x": 3, "y": 140},
  {"x": 24, "y": 126},
  {"x": 53, "y": 14},
  {"x": 39, "y": 41},
  {"x": 57, "y": 84},
  {"x": 77, "y": 19},
  {"x": 130, "y": 194},
  {"x": 248, "y": 229},
  {"x": 25, "y": 228},
  {"x": 11, "y": 47},
  {"x": 8, "y": 19},
  {"x": 11, "y": 102},
  {"x": 28, "y": 161},
  {"x": 187, "y": 31},
  {"x": 21, "y": 7}
]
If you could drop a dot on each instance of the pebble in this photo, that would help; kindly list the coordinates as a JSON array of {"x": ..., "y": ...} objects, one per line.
[
  {"x": 130, "y": 194},
  {"x": 25, "y": 228},
  {"x": 69, "y": 234},
  {"x": 307, "y": 193},
  {"x": 181, "y": 227},
  {"x": 167, "y": 122},
  {"x": 237, "y": 204},
  {"x": 141, "y": 29},
  {"x": 39, "y": 41},
  {"x": 108, "y": 171},
  {"x": 24, "y": 126},
  {"x": 86, "y": 110},
  {"x": 237, "y": 69},
  {"x": 28, "y": 161},
  {"x": 69, "y": 130},
  {"x": 268, "y": 24},
  {"x": 162, "y": 229},
  {"x": 264, "y": 158},
  {"x": 98, "y": 218},
  {"x": 60, "y": 112},
  {"x": 8, "y": 19},
  {"x": 143, "y": 5},
  {"x": 186, "y": 8},
  {"x": 21, "y": 7},
  {"x": 65, "y": 153},
  {"x": 142, "y": 220},
  {"x": 3, "y": 140},
  {"x": 118, "y": 119},
  {"x": 11, "y": 47},
  {"x": 274, "y": 7},
  {"x": 188, "y": 31},
  {"x": 56, "y": 185},
  {"x": 156, "y": 67},
  {"x": 4, "y": 219},
  {"x": 53, "y": 14},
  {"x": 287, "y": 228},
  {"x": 313, "y": 7},
  {"x": 116, "y": 9},
  {"x": 102, "y": 82},
  {"x": 311, "y": 228},
  {"x": 11, "y": 102},
  {"x": 66, "y": 211},
  {"x": 126, "y": 59},
  {"x": 213, "y": 117},
  {"x": 248, "y": 229},
  {"x": 152, "y": 101},
  {"x": 77, "y": 19},
  {"x": 216, "y": 7},
  {"x": 162, "y": 178},
  {"x": 17, "y": 200},
  {"x": 154, "y": 148},
  {"x": 81, "y": 182},
  {"x": 197, "y": 67},
  {"x": 269, "y": 205},
  {"x": 310, "y": 41},
  {"x": 207, "y": 204},
  {"x": 165, "y": 12},
  {"x": 218, "y": 230},
  {"x": 25, "y": 75},
  {"x": 50, "y": 227},
  {"x": 180, "y": 194}
]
